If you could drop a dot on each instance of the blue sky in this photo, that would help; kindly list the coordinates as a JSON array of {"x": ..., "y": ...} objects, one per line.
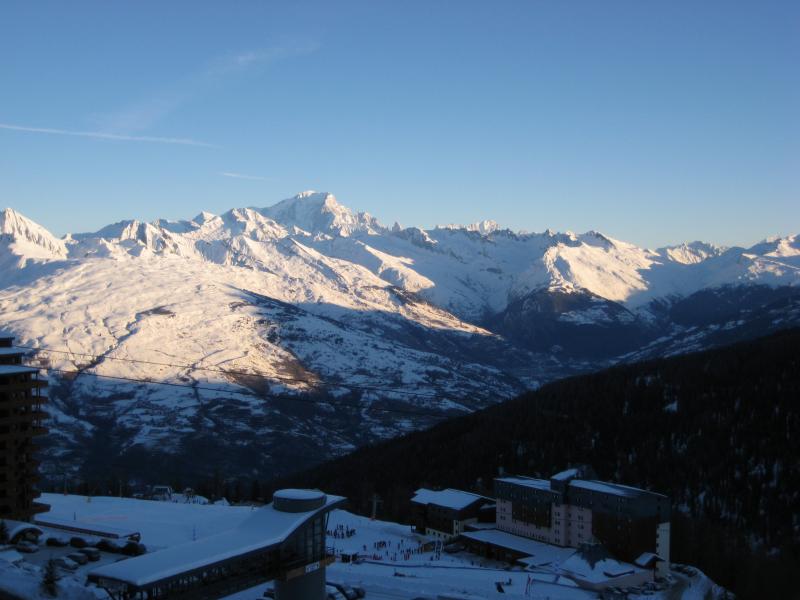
[{"x": 654, "y": 122}]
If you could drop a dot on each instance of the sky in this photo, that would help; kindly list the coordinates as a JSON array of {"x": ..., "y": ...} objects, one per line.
[{"x": 654, "y": 122}]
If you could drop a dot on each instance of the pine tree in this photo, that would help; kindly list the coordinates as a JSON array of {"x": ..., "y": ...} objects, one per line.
[
  {"x": 255, "y": 491},
  {"x": 50, "y": 578}
]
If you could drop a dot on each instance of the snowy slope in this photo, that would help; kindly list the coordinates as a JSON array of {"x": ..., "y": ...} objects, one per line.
[{"x": 250, "y": 313}]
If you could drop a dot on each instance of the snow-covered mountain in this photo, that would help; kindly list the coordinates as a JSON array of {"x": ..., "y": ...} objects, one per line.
[{"x": 311, "y": 327}]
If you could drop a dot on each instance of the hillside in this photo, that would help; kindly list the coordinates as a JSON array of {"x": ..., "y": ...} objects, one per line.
[
  {"x": 311, "y": 329},
  {"x": 716, "y": 431}
]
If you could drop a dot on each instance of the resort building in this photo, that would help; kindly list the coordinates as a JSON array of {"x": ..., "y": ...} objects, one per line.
[
  {"x": 573, "y": 508},
  {"x": 446, "y": 514},
  {"x": 284, "y": 542},
  {"x": 21, "y": 417}
]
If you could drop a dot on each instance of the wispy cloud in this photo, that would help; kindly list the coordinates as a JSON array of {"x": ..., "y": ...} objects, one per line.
[
  {"x": 100, "y": 135},
  {"x": 145, "y": 113},
  {"x": 242, "y": 176},
  {"x": 263, "y": 56}
]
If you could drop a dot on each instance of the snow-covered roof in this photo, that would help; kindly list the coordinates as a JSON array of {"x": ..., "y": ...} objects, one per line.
[
  {"x": 594, "y": 564},
  {"x": 546, "y": 553},
  {"x": 16, "y": 369},
  {"x": 646, "y": 559},
  {"x": 532, "y": 482},
  {"x": 17, "y": 527},
  {"x": 265, "y": 529},
  {"x": 604, "y": 487},
  {"x": 293, "y": 494},
  {"x": 566, "y": 474},
  {"x": 98, "y": 529},
  {"x": 449, "y": 498}
]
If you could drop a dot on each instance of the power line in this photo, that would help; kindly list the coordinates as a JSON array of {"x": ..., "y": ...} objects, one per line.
[{"x": 307, "y": 381}]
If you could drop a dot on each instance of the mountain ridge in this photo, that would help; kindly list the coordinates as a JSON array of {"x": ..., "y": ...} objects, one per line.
[
  {"x": 612, "y": 269},
  {"x": 309, "y": 298}
]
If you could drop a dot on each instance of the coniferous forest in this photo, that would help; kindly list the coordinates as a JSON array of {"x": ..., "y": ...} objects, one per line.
[{"x": 717, "y": 431}]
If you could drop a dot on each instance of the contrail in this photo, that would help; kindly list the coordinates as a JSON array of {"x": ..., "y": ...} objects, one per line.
[
  {"x": 109, "y": 136},
  {"x": 242, "y": 176}
]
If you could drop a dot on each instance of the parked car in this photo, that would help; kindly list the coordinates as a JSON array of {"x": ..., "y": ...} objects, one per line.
[
  {"x": 109, "y": 546},
  {"x": 58, "y": 542},
  {"x": 349, "y": 592},
  {"x": 333, "y": 593},
  {"x": 78, "y": 557},
  {"x": 26, "y": 547},
  {"x": 134, "y": 549},
  {"x": 161, "y": 492},
  {"x": 78, "y": 542},
  {"x": 65, "y": 563},
  {"x": 93, "y": 554}
]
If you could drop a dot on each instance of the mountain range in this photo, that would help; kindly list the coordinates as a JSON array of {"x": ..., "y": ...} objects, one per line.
[{"x": 271, "y": 338}]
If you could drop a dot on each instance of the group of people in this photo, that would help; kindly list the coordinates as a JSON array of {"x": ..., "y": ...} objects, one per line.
[
  {"x": 383, "y": 550},
  {"x": 341, "y": 532}
]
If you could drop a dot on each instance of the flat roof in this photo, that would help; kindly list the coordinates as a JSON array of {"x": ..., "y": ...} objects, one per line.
[
  {"x": 615, "y": 489},
  {"x": 99, "y": 530},
  {"x": 265, "y": 529},
  {"x": 531, "y": 482},
  {"x": 17, "y": 369},
  {"x": 449, "y": 498},
  {"x": 537, "y": 552}
]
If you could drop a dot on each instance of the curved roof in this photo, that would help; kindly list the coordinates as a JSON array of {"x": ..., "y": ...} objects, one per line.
[{"x": 266, "y": 528}]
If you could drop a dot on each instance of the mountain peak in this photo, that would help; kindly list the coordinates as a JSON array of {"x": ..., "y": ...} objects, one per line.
[
  {"x": 204, "y": 217},
  {"x": 320, "y": 212},
  {"x": 486, "y": 227},
  {"x": 692, "y": 252},
  {"x": 29, "y": 237}
]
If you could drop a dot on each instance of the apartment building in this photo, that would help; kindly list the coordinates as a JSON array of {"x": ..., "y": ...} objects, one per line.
[
  {"x": 21, "y": 417},
  {"x": 573, "y": 508}
]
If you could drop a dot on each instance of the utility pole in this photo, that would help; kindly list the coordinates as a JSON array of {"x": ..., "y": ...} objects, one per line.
[{"x": 375, "y": 501}]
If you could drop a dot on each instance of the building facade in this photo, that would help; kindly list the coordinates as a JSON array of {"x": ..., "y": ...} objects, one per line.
[
  {"x": 21, "y": 418},
  {"x": 445, "y": 514},
  {"x": 284, "y": 542},
  {"x": 572, "y": 509}
]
